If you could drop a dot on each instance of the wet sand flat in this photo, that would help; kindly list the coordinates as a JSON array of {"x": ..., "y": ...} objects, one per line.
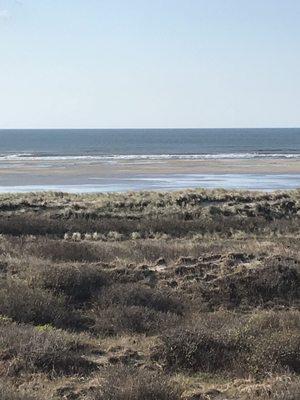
[{"x": 129, "y": 173}]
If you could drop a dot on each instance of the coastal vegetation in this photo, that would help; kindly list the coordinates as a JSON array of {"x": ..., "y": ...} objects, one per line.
[{"x": 150, "y": 295}]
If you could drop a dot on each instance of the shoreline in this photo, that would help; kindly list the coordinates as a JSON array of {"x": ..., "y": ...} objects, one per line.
[{"x": 127, "y": 175}]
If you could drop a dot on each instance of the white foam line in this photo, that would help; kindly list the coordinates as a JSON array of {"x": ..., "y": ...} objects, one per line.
[{"x": 141, "y": 157}]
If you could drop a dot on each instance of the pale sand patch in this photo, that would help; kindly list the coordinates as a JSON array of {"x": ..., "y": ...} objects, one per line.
[
  {"x": 128, "y": 175},
  {"x": 102, "y": 169}
]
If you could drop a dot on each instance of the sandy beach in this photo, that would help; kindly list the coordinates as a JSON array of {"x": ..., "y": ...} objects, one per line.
[{"x": 139, "y": 174}]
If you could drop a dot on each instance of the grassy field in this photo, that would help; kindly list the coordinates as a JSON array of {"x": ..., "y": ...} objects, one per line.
[{"x": 150, "y": 296}]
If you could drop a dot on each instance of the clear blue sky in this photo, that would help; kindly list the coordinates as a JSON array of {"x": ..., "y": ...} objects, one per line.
[{"x": 149, "y": 63}]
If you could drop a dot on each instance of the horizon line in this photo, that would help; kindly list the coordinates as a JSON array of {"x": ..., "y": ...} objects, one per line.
[{"x": 156, "y": 128}]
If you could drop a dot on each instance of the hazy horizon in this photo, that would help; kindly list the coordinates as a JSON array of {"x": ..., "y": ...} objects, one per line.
[{"x": 152, "y": 128}]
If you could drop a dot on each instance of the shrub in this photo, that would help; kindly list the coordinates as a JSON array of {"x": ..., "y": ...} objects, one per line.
[
  {"x": 134, "y": 308},
  {"x": 275, "y": 388},
  {"x": 25, "y": 348},
  {"x": 275, "y": 352},
  {"x": 269, "y": 284},
  {"x": 65, "y": 251},
  {"x": 267, "y": 342},
  {"x": 26, "y": 304},
  {"x": 197, "y": 349},
  {"x": 78, "y": 282},
  {"x": 273, "y": 340},
  {"x": 130, "y": 319},
  {"x": 265, "y": 321},
  {"x": 10, "y": 393},
  {"x": 136, "y": 294},
  {"x": 132, "y": 384}
]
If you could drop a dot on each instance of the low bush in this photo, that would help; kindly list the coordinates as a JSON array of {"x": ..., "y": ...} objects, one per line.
[
  {"x": 134, "y": 308},
  {"x": 9, "y": 393},
  {"x": 275, "y": 352},
  {"x": 29, "y": 349},
  {"x": 132, "y": 384},
  {"x": 274, "y": 388},
  {"x": 34, "y": 305},
  {"x": 58, "y": 250},
  {"x": 80, "y": 283},
  {"x": 273, "y": 340},
  {"x": 267, "y": 285},
  {"x": 264, "y": 343},
  {"x": 196, "y": 349},
  {"x": 136, "y": 294},
  {"x": 130, "y": 319},
  {"x": 263, "y": 321}
]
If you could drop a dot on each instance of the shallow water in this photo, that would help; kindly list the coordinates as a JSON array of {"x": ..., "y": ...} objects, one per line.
[{"x": 265, "y": 182}]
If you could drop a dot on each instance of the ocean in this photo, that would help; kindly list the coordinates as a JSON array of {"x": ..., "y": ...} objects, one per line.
[
  {"x": 106, "y": 160},
  {"x": 130, "y": 143}
]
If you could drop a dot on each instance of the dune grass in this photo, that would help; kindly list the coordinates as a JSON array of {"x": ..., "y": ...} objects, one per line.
[{"x": 150, "y": 296}]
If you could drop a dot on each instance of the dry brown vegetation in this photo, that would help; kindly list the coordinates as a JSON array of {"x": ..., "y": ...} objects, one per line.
[{"x": 186, "y": 295}]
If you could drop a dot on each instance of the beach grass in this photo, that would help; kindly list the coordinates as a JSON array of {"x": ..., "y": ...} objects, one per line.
[{"x": 150, "y": 295}]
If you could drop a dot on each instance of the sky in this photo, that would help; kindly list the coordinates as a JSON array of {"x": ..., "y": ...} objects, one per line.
[{"x": 149, "y": 63}]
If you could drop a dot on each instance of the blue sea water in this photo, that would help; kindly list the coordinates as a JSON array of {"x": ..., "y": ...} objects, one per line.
[
  {"x": 151, "y": 142},
  {"x": 23, "y": 153}
]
